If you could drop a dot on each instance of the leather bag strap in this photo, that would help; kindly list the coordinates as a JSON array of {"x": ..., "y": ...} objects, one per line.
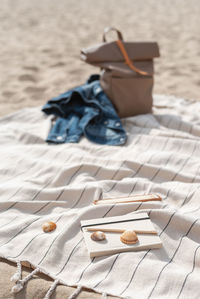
[
  {"x": 108, "y": 29},
  {"x": 128, "y": 60}
]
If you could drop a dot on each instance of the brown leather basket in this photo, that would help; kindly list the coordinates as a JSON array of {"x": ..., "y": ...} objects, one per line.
[{"x": 126, "y": 72}]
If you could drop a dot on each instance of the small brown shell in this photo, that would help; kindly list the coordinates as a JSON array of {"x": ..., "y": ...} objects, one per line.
[
  {"x": 129, "y": 237},
  {"x": 98, "y": 236},
  {"x": 48, "y": 226}
]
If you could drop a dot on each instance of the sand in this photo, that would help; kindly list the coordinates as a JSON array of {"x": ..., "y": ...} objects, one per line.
[
  {"x": 40, "y": 56},
  {"x": 41, "y": 42}
]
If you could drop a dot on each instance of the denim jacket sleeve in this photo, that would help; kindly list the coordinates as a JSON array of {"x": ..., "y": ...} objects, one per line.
[{"x": 85, "y": 110}]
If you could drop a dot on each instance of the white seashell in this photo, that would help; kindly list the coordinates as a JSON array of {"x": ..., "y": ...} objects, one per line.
[
  {"x": 48, "y": 226},
  {"x": 98, "y": 236},
  {"x": 129, "y": 237}
]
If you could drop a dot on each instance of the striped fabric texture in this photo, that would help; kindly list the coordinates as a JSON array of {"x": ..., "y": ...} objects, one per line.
[{"x": 41, "y": 182}]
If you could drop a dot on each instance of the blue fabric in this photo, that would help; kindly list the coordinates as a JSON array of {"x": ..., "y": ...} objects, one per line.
[{"x": 85, "y": 110}]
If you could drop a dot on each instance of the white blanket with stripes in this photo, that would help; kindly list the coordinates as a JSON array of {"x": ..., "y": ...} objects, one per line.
[{"x": 41, "y": 182}]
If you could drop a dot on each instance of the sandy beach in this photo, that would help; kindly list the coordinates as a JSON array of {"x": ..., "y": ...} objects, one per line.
[
  {"x": 41, "y": 42},
  {"x": 40, "y": 58}
]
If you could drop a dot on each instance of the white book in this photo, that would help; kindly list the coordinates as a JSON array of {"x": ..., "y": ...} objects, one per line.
[{"x": 112, "y": 244}]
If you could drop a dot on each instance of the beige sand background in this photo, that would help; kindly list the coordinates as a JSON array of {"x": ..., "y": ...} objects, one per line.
[{"x": 40, "y": 42}]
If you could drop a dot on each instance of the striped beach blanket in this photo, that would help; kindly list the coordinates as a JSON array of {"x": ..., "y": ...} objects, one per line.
[{"x": 41, "y": 182}]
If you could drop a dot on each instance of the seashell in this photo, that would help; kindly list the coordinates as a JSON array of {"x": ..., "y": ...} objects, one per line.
[
  {"x": 98, "y": 236},
  {"x": 129, "y": 237},
  {"x": 48, "y": 226}
]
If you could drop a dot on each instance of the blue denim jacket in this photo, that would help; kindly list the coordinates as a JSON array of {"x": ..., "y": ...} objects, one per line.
[{"x": 85, "y": 110}]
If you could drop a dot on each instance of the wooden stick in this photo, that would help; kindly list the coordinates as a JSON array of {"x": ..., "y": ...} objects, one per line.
[
  {"x": 117, "y": 230},
  {"x": 135, "y": 198}
]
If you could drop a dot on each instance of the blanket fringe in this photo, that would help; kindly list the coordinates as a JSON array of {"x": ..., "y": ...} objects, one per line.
[
  {"x": 21, "y": 282},
  {"x": 76, "y": 293},
  {"x": 18, "y": 275},
  {"x": 51, "y": 289}
]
